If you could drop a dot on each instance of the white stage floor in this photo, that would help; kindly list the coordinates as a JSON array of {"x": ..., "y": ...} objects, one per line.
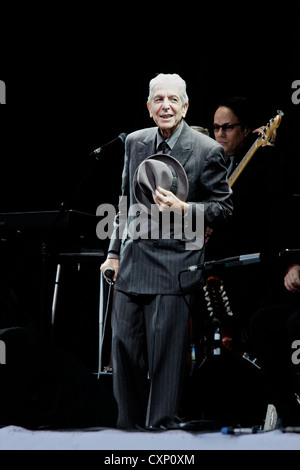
[{"x": 106, "y": 439}]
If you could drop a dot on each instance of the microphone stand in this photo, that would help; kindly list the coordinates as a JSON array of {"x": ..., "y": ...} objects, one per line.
[
  {"x": 227, "y": 262},
  {"x": 64, "y": 209},
  {"x": 65, "y": 205},
  {"x": 96, "y": 154}
]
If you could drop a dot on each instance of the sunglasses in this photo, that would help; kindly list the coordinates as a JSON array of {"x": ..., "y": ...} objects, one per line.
[{"x": 225, "y": 127}]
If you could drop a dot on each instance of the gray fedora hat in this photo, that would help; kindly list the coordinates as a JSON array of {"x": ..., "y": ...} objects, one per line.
[{"x": 159, "y": 170}]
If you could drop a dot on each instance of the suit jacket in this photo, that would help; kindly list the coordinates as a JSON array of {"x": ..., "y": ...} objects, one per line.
[{"x": 150, "y": 266}]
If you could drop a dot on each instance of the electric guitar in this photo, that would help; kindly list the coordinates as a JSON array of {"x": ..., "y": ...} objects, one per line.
[
  {"x": 261, "y": 141},
  {"x": 219, "y": 308}
]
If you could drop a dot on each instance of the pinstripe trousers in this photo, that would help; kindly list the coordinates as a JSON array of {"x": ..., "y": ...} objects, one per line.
[{"x": 150, "y": 338}]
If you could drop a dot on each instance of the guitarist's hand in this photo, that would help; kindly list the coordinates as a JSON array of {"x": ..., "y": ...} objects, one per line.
[
  {"x": 292, "y": 279},
  {"x": 272, "y": 137},
  {"x": 208, "y": 232}
]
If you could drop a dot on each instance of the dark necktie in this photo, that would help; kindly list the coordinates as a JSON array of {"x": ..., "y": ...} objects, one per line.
[{"x": 163, "y": 147}]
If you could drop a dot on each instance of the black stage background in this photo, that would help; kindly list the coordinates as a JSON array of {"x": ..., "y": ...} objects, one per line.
[{"x": 68, "y": 98}]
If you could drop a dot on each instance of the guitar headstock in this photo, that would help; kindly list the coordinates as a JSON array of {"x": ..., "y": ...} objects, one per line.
[
  {"x": 216, "y": 298},
  {"x": 267, "y": 132},
  {"x": 219, "y": 307}
]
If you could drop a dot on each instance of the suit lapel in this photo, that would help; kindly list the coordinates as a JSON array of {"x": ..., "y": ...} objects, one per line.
[
  {"x": 182, "y": 150},
  {"x": 146, "y": 147}
]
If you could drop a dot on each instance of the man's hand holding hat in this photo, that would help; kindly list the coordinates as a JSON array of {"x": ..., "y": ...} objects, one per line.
[
  {"x": 162, "y": 177},
  {"x": 166, "y": 200}
]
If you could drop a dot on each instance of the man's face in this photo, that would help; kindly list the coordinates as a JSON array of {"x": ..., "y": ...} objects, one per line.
[
  {"x": 231, "y": 139},
  {"x": 166, "y": 109}
]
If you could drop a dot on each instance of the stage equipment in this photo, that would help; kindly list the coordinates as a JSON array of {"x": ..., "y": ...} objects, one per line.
[
  {"x": 122, "y": 136},
  {"x": 226, "y": 262}
]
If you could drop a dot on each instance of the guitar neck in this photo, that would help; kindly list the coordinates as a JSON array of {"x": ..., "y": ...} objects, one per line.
[
  {"x": 241, "y": 166},
  {"x": 261, "y": 141}
]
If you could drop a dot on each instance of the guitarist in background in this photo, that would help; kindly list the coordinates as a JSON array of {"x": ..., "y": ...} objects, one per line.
[
  {"x": 248, "y": 231},
  {"x": 251, "y": 229}
]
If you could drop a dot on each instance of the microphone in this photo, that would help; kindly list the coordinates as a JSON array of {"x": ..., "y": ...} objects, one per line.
[
  {"x": 228, "y": 262},
  {"x": 232, "y": 430},
  {"x": 98, "y": 150}
]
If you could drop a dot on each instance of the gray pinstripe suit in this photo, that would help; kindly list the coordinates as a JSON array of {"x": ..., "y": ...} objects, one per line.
[{"x": 150, "y": 316}]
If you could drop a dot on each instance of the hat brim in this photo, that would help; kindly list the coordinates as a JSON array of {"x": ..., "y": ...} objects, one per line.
[{"x": 182, "y": 181}]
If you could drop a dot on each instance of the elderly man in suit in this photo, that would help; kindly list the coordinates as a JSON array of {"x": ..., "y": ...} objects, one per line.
[{"x": 185, "y": 175}]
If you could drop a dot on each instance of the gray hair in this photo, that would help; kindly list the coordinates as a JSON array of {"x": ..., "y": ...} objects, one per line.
[
  {"x": 201, "y": 129},
  {"x": 167, "y": 78}
]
